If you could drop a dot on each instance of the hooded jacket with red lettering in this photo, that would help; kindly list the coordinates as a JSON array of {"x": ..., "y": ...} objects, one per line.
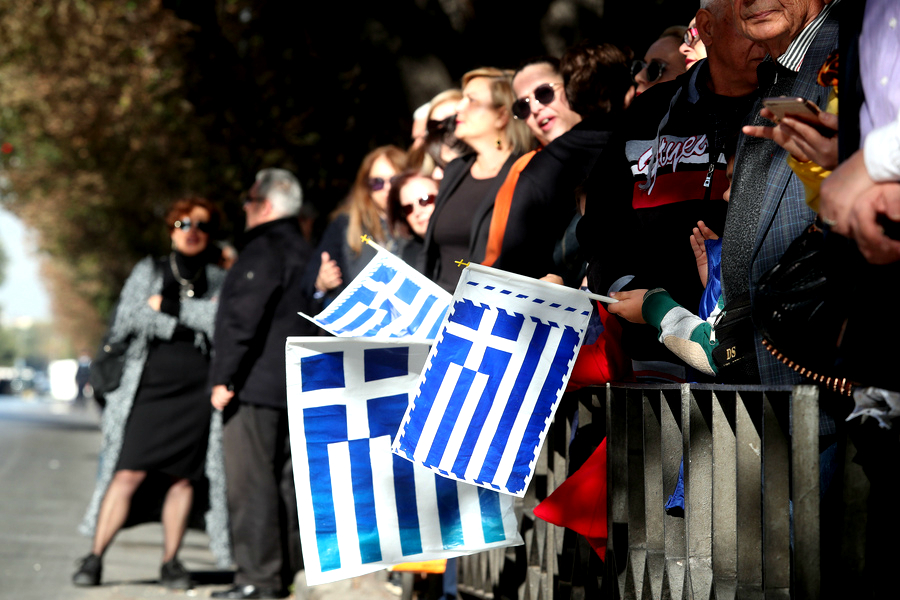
[{"x": 663, "y": 171}]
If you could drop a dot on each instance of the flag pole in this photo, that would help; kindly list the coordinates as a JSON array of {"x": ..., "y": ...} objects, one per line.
[{"x": 529, "y": 280}]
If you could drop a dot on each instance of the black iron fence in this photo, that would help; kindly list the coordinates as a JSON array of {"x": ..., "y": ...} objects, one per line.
[{"x": 750, "y": 525}]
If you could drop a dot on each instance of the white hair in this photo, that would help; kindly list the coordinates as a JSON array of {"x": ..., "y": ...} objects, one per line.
[
  {"x": 716, "y": 7},
  {"x": 282, "y": 189}
]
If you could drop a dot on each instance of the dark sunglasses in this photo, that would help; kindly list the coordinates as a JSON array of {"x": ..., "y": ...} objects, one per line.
[
  {"x": 424, "y": 201},
  {"x": 543, "y": 94},
  {"x": 249, "y": 197},
  {"x": 186, "y": 224},
  {"x": 691, "y": 36},
  {"x": 376, "y": 184},
  {"x": 655, "y": 69}
]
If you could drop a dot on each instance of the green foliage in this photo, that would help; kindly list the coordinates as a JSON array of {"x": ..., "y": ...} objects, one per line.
[{"x": 3, "y": 262}]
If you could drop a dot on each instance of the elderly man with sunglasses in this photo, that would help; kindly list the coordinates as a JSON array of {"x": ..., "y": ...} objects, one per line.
[
  {"x": 257, "y": 311},
  {"x": 664, "y": 171}
]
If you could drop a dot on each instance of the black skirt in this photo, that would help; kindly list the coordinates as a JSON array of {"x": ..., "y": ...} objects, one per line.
[{"x": 168, "y": 428}]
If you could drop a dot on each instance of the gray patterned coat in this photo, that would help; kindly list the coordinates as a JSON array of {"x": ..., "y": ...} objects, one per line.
[{"x": 134, "y": 316}]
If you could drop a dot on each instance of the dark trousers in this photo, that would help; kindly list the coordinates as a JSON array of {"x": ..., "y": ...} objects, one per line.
[{"x": 262, "y": 503}]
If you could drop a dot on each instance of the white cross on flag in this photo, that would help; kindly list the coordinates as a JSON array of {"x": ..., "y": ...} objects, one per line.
[
  {"x": 388, "y": 299},
  {"x": 362, "y": 508},
  {"x": 494, "y": 379}
]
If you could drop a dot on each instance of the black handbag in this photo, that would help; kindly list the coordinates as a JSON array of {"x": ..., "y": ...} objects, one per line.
[
  {"x": 801, "y": 307},
  {"x": 735, "y": 352},
  {"x": 107, "y": 367}
]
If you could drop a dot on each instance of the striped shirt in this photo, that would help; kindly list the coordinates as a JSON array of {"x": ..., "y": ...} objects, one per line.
[{"x": 793, "y": 56}]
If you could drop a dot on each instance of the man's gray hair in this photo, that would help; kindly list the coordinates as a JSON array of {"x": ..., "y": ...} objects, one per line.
[
  {"x": 716, "y": 7},
  {"x": 282, "y": 189}
]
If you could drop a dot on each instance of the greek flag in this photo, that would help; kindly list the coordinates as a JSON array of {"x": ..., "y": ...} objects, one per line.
[
  {"x": 362, "y": 508},
  {"x": 388, "y": 299},
  {"x": 494, "y": 379}
]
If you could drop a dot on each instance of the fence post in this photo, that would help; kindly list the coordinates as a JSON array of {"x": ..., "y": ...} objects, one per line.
[{"x": 805, "y": 491}]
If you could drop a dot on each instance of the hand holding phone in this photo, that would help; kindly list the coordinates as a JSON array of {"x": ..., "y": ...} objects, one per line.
[
  {"x": 800, "y": 109},
  {"x": 808, "y": 138}
]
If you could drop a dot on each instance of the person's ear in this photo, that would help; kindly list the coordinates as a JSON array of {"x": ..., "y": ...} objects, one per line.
[
  {"x": 705, "y": 26},
  {"x": 502, "y": 118},
  {"x": 267, "y": 207}
]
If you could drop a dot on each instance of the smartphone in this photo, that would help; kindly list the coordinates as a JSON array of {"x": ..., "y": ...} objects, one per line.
[{"x": 797, "y": 108}]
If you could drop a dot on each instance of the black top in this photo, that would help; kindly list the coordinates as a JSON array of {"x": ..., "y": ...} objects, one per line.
[
  {"x": 191, "y": 269},
  {"x": 452, "y": 227},
  {"x": 662, "y": 171},
  {"x": 544, "y": 202},
  {"x": 258, "y": 310},
  {"x": 481, "y": 218}
]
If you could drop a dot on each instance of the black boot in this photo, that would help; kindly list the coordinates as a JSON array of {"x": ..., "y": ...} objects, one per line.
[
  {"x": 89, "y": 570},
  {"x": 174, "y": 576}
]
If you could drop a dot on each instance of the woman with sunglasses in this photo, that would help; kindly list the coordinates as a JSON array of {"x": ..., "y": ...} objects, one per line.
[
  {"x": 692, "y": 46},
  {"x": 440, "y": 143},
  {"x": 570, "y": 106},
  {"x": 662, "y": 62},
  {"x": 410, "y": 204},
  {"x": 341, "y": 254},
  {"x": 157, "y": 440},
  {"x": 458, "y": 229}
]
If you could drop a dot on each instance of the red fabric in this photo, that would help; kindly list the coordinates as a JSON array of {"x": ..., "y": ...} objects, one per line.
[
  {"x": 604, "y": 360},
  {"x": 579, "y": 503}
]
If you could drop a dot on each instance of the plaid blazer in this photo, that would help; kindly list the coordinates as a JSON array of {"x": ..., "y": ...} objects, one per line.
[{"x": 784, "y": 214}]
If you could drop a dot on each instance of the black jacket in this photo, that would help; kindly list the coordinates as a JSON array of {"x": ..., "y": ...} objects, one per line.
[
  {"x": 677, "y": 135},
  {"x": 481, "y": 220},
  {"x": 258, "y": 310},
  {"x": 544, "y": 202}
]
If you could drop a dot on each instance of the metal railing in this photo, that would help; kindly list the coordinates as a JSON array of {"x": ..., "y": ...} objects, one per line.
[{"x": 750, "y": 527}]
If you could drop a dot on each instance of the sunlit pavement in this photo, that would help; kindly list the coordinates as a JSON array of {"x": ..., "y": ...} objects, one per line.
[{"x": 48, "y": 462}]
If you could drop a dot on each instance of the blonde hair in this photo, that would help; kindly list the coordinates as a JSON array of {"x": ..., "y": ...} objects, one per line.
[
  {"x": 502, "y": 96},
  {"x": 363, "y": 215},
  {"x": 451, "y": 95}
]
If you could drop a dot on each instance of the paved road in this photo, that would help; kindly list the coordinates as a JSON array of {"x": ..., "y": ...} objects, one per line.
[{"x": 48, "y": 461}]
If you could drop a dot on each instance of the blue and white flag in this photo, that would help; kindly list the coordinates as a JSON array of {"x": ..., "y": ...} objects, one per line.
[
  {"x": 494, "y": 379},
  {"x": 362, "y": 508},
  {"x": 388, "y": 299}
]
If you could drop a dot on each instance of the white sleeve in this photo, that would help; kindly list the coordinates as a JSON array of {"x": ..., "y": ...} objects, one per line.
[{"x": 882, "y": 152}]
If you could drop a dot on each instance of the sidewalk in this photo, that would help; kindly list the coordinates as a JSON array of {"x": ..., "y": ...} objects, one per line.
[{"x": 48, "y": 461}]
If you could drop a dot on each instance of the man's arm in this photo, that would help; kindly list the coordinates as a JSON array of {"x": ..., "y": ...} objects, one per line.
[{"x": 860, "y": 190}]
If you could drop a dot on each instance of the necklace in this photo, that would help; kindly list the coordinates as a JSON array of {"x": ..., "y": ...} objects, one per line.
[{"x": 187, "y": 285}]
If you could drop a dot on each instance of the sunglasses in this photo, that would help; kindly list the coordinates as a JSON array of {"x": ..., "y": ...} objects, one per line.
[
  {"x": 376, "y": 184},
  {"x": 186, "y": 224},
  {"x": 691, "y": 36},
  {"x": 655, "y": 69},
  {"x": 424, "y": 201},
  {"x": 249, "y": 198},
  {"x": 543, "y": 94}
]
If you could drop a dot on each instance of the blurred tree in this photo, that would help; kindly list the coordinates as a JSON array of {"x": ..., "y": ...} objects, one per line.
[
  {"x": 90, "y": 97},
  {"x": 3, "y": 262}
]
